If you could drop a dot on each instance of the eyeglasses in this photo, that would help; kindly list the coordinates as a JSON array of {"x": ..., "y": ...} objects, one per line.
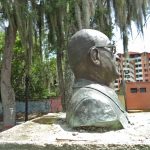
[{"x": 110, "y": 48}]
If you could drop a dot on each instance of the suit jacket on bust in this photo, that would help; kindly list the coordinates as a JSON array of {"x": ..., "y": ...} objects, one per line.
[{"x": 96, "y": 105}]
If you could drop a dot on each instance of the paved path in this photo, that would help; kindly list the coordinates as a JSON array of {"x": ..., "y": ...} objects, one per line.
[{"x": 52, "y": 132}]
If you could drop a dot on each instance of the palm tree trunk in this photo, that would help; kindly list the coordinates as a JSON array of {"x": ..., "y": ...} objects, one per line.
[
  {"x": 60, "y": 78},
  {"x": 86, "y": 13},
  {"x": 69, "y": 80},
  {"x": 78, "y": 15},
  {"x": 7, "y": 92}
]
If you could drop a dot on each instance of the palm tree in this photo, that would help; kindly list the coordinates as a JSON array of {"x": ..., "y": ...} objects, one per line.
[
  {"x": 62, "y": 19},
  {"x": 98, "y": 14},
  {"x": 7, "y": 92},
  {"x": 127, "y": 11}
]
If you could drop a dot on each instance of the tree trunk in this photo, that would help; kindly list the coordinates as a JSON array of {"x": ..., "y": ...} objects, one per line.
[
  {"x": 86, "y": 13},
  {"x": 60, "y": 78},
  {"x": 7, "y": 92},
  {"x": 69, "y": 80},
  {"x": 60, "y": 53},
  {"x": 78, "y": 15}
]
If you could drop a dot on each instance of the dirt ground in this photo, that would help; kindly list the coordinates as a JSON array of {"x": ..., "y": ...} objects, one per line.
[{"x": 20, "y": 118}]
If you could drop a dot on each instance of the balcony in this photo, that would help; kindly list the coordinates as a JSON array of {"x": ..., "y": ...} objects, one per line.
[
  {"x": 139, "y": 78},
  {"x": 129, "y": 79},
  {"x": 138, "y": 63},
  {"x": 138, "y": 69},
  {"x": 139, "y": 73},
  {"x": 137, "y": 58}
]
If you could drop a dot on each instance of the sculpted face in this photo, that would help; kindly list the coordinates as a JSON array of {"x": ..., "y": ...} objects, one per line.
[
  {"x": 104, "y": 68},
  {"x": 92, "y": 56},
  {"x": 92, "y": 60}
]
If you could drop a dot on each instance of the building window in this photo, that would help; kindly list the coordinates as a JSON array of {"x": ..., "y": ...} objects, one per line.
[
  {"x": 127, "y": 76},
  {"x": 126, "y": 71},
  {"x": 143, "y": 90},
  {"x": 145, "y": 70},
  {"x": 133, "y": 90}
]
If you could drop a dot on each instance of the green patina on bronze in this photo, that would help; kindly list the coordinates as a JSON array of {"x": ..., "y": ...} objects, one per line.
[{"x": 93, "y": 102}]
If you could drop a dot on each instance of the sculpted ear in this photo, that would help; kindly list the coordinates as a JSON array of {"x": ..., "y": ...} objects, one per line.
[{"x": 95, "y": 56}]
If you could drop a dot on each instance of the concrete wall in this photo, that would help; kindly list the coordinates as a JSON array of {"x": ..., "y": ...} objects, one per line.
[
  {"x": 43, "y": 106},
  {"x": 33, "y": 106}
]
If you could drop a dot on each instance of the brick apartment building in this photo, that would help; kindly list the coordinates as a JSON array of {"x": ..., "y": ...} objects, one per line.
[
  {"x": 135, "y": 70},
  {"x": 142, "y": 66}
]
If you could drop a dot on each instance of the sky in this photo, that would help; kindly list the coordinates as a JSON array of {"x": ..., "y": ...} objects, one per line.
[{"x": 137, "y": 43}]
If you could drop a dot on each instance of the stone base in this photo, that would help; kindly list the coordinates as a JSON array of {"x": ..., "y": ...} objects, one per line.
[{"x": 51, "y": 132}]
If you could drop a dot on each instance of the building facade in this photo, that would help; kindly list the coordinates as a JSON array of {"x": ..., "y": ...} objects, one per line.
[
  {"x": 138, "y": 96},
  {"x": 134, "y": 68},
  {"x": 142, "y": 66}
]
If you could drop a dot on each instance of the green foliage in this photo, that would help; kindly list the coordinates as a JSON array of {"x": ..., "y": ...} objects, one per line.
[
  {"x": 1, "y": 51},
  {"x": 1, "y": 45},
  {"x": 42, "y": 75},
  {"x": 42, "y": 80},
  {"x": 18, "y": 68},
  {"x": 46, "y": 27},
  {"x": 2, "y": 35},
  {"x": 101, "y": 18}
]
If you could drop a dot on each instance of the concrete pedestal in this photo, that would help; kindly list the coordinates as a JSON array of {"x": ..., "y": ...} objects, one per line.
[{"x": 51, "y": 132}]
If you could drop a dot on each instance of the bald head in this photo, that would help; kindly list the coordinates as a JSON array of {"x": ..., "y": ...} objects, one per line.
[
  {"x": 91, "y": 57},
  {"x": 82, "y": 41}
]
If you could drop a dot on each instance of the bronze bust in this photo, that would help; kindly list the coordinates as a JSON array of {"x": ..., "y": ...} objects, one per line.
[{"x": 93, "y": 102}]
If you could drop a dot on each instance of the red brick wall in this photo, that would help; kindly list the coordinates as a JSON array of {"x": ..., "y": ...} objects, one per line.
[
  {"x": 139, "y": 100},
  {"x": 55, "y": 105}
]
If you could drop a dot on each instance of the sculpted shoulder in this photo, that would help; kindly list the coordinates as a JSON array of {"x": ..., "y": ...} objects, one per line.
[
  {"x": 92, "y": 60},
  {"x": 89, "y": 107}
]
